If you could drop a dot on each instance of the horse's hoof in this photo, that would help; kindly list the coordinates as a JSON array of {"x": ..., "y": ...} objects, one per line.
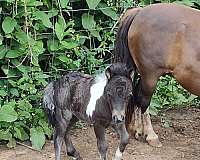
[{"x": 154, "y": 143}]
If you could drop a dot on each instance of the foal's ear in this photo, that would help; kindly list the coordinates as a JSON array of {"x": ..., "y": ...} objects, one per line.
[{"x": 108, "y": 73}]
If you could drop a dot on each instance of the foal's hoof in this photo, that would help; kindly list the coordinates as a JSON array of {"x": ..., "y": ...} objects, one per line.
[
  {"x": 138, "y": 136},
  {"x": 154, "y": 143},
  {"x": 77, "y": 158}
]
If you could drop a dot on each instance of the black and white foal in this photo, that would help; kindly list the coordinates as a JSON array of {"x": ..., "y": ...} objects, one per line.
[{"x": 101, "y": 101}]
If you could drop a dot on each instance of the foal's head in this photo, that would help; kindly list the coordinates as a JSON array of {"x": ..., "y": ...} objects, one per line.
[{"x": 118, "y": 90}]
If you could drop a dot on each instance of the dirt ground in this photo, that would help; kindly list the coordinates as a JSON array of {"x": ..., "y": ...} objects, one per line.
[{"x": 178, "y": 129}]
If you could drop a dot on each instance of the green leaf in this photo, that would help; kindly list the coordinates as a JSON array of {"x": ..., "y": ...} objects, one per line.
[
  {"x": 64, "y": 3},
  {"x": 1, "y": 39},
  {"x": 21, "y": 37},
  {"x": 108, "y": 11},
  {"x": 47, "y": 130},
  {"x": 69, "y": 44},
  {"x": 20, "y": 67},
  {"x": 8, "y": 24},
  {"x": 5, "y": 135},
  {"x": 37, "y": 137},
  {"x": 14, "y": 92},
  {"x": 64, "y": 58},
  {"x": 185, "y": 2},
  {"x": 24, "y": 105},
  {"x": 88, "y": 21},
  {"x": 11, "y": 143},
  {"x": 12, "y": 83},
  {"x": 60, "y": 27},
  {"x": 96, "y": 34},
  {"x": 10, "y": 1},
  {"x": 40, "y": 15},
  {"x": 34, "y": 3},
  {"x": 53, "y": 12},
  {"x": 8, "y": 114},
  {"x": 3, "y": 93},
  {"x": 38, "y": 48},
  {"x": 3, "y": 52},
  {"x": 13, "y": 54},
  {"x": 20, "y": 134},
  {"x": 24, "y": 114},
  {"x": 192, "y": 97},
  {"x": 92, "y": 3},
  {"x": 53, "y": 45},
  {"x": 5, "y": 69}
]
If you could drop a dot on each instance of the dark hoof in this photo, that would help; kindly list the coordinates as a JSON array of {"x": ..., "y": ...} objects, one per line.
[{"x": 139, "y": 136}]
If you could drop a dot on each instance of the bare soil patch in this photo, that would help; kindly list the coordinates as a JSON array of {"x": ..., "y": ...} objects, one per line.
[{"x": 178, "y": 129}]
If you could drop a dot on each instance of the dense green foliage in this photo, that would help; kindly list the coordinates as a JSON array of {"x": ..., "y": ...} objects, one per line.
[{"x": 42, "y": 39}]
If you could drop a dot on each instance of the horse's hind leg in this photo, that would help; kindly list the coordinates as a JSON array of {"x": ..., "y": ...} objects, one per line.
[
  {"x": 62, "y": 122},
  {"x": 144, "y": 92},
  {"x": 71, "y": 151},
  {"x": 124, "y": 136}
]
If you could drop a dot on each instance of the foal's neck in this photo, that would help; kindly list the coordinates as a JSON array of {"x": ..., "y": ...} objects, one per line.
[{"x": 102, "y": 110}]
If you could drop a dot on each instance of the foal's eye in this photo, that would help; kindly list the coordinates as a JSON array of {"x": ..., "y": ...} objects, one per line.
[{"x": 109, "y": 94}]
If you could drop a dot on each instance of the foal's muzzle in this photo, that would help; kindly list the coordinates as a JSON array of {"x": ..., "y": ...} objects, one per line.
[{"x": 118, "y": 118}]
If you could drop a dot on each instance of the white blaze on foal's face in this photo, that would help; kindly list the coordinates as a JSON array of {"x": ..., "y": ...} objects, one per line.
[{"x": 96, "y": 92}]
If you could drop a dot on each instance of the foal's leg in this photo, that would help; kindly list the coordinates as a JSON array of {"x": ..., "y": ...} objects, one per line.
[
  {"x": 144, "y": 92},
  {"x": 101, "y": 142},
  {"x": 62, "y": 122},
  {"x": 123, "y": 141},
  {"x": 71, "y": 151}
]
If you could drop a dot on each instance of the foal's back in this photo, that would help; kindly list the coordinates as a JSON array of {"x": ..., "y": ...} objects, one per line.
[{"x": 71, "y": 92}]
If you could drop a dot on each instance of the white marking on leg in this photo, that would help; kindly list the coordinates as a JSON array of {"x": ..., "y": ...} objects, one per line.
[
  {"x": 138, "y": 127},
  {"x": 118, "y": 155},
  {"x": 148, "y": 128},
  {"x": 96, "y": 92}
]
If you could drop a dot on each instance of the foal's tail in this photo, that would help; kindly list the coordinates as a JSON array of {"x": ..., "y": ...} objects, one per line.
[
  {"x": 121, "y": 50},
  {"x": 48, "y": 103}
]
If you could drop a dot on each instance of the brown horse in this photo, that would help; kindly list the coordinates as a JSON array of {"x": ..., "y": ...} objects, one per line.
[{"x": 156, "y": 40}]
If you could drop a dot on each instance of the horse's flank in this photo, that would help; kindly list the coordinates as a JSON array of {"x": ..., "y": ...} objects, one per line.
[{"x": 165, "y": 38}]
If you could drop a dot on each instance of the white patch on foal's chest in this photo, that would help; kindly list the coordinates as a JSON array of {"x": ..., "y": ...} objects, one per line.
[
  {"x": 118, "y": 155},
  {"x": 96, "y": 91}
]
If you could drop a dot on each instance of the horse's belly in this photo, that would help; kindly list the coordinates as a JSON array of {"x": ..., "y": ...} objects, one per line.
[{"x": 189, "y": 77}]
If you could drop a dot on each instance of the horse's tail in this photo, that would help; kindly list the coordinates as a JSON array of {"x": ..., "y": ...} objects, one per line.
[
  {"x": 122, "y": 54},
  {"x": 49, "y": 105},
  {"x": 121, "y": 50}
]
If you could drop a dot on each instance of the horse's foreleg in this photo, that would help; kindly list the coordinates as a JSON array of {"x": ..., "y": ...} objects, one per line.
[
  {"x": 149, "y": 134},
  {"x": 101, "y": 142},
  {"x": 138, "y": 127},
  {"x": 144, "y": 92},
  {"x": 124, "y": 136}
]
